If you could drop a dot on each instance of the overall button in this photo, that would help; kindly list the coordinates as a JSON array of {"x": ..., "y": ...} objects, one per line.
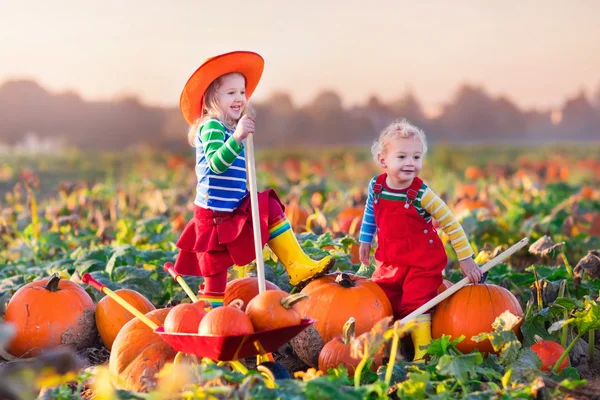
[
  {"x": 426, "y": 231},
  {"x": 430, "y": 241}
]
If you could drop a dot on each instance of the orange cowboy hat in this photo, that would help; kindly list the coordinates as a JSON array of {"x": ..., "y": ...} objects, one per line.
[{"x": 247, "y": 63}]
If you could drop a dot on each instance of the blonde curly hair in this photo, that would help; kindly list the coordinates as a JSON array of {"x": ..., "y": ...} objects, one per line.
[
  {"x": 398, "y": 129},
  {"x": 212, "y": 109}
]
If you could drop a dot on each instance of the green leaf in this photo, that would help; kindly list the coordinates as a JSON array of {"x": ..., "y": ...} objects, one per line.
[
  {"x": 123, "y": 255},
  {"x": 459, "y": 367}
]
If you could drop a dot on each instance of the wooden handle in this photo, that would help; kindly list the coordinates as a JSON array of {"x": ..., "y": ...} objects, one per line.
[
  {"x": 251, "y": 170},
  {"x": 460, "y": 284},
  {"x": 87, "y": 278}
]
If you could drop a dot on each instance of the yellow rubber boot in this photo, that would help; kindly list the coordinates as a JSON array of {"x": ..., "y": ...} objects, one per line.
[
  {"x": 299, "y": 266},
  {"x": 421, "y": 337}
]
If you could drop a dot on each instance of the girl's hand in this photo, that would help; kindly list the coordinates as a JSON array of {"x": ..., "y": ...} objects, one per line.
[
  {"x": 245, "y": 126},
  {"x": 364, "y": 253},
  {"x": 471, "y": 270}
]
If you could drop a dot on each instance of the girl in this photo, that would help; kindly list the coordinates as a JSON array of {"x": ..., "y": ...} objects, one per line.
[
  {"x": 214, "y": 103},
  {"x": 410, "y": 255}
]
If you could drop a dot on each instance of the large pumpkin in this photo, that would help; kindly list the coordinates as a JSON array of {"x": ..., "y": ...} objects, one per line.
[
  {"x": 138, "y": 354},
  {"x": 334, "y": 298},
  {"x": 471, "y": 311},
  {"x": 111, "y": 316},
  {"x": 49, "y": 313},
  {"x": 244, "y": 289}
]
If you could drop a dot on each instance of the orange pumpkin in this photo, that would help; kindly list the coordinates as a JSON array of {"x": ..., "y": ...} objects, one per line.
[
  {"x": 274, "y": 309},
  {"x": 138, "y": 354},
  {"x": 549, "y": 352},
  {"x": 336, "y": 352},
  {"x": 226, "y": 321},
  {"x": 471, "y": 311},
  {"x": 336, "y": 297},
  {"x": 296, "y": 215},
  {"x": 49, "y": 313},
  {"x": 350, "y": 219},
  {"x": 244, "y": 289},
  {"x": 186, "y": 317},
  {"x": 111, "y": 316}
]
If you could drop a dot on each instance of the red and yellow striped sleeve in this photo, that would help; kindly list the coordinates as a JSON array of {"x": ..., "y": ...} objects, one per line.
[{"x": 447, "y": 221}]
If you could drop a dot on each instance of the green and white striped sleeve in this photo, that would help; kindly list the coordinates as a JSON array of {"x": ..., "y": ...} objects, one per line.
[{"x": 220, "y": 153}]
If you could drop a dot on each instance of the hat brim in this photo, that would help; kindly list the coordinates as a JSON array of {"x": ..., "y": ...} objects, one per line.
[{"x": 247, "y": 63}]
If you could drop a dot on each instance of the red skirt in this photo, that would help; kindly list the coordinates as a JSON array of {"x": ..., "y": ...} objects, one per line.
[{"x": 213, "y": 241}]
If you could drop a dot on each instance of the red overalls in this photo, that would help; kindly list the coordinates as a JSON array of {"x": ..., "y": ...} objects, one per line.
[{"x": 410, "y": 255}]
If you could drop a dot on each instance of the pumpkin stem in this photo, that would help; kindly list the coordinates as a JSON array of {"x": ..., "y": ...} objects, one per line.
[
  {"x": 344, "y": 281},
  {"x": 289, "y": 301},
  {"x": 237, "y": 303},
  {"x": 52, "y": 284},
  {"x": 349, "y": 330},
  {"x": 537, "y": 338}
]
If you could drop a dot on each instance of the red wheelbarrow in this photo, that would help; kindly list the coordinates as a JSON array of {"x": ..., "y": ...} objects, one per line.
[{"x": 222, "y": 349}]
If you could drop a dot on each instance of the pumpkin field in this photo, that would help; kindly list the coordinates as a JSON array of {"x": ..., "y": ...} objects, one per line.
[{"x": 527, "y": 332}]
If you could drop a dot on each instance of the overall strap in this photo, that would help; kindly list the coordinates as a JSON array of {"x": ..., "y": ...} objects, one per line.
[
  {"x": 413, "y": 189},
  {"x": 378, "y": 188}
]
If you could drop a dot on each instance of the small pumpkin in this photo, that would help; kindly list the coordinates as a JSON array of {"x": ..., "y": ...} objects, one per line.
[
  {"x": 471, "y": 311},
  {"x": 138, "y": 354},
  {"x": 350, "y": 219},
  {"x": 186, "y": 317},
  {"x": 48, "y": 313},
  {"x": 336, "y": 297},
  {"x": 274, "y": 309},
  {"x": 226, "y": 321},
  {"x": 337, "y": 352},
  {"x": 244, "y": 289},
  {"x": 111, "y": 316},
  {"x": 549, "y": 352}
]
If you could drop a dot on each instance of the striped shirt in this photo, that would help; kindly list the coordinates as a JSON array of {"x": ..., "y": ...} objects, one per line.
[
  {"x": 429, "y": 205},
  {"x": 220, "y": 168}
]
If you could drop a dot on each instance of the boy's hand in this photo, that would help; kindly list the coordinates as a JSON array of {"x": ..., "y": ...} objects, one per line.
[
  {"x": 245, "y": 126},
  {"x": 471, "y": 270},
  {"x": 364, "y": 253}
]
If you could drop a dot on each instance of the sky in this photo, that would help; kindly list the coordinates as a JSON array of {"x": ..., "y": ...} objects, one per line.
[{"x": 537, "y": 53}]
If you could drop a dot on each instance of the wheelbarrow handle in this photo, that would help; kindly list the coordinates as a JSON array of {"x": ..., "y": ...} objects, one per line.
[
  {"x": 168, "y": 267},
  {"x": 88, "y": 279},
  {"x": 460, "y": 284}
]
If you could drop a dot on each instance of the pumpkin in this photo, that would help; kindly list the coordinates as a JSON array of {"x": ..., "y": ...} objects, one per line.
[
  {"x": 186, "y": 317},
  {"x": 273, "y": 309},
  {"x": 226, "y": 321},
  {"x": 296, "y": 215},
  {"x": 336, "y": 297},
  {"x": 471, "y": 311},
  {"x": 549, "y": 352},
  {"x": 445, "y": 285},
  {"x": 111, "y": 316},
  {"x": 350, "y": 219},
  {"x": 336, "y": 352},
  {"x": 138, "y": 354},
  {"x": 48, "y": 313},
  {"x": 244, "y": 289}
]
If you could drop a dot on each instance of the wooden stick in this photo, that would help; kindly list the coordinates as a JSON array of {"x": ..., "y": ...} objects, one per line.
[
  {"x": 459, "y": 285},
  {"x": 251, "y": 170}
]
